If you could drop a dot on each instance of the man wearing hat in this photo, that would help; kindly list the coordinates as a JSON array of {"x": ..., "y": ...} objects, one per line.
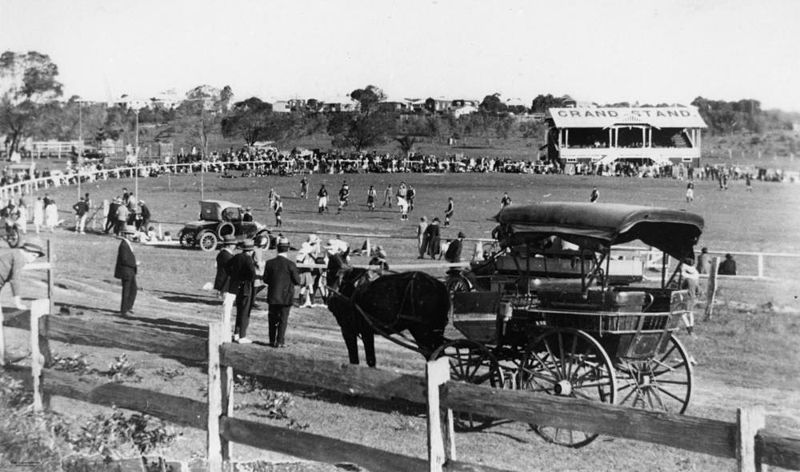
[
  {"x": 126, "y": 269},
  {"x": 11, "y": 264},
  {"x": 222, "y": 278},
  {"x": 281, "y": 276},
  {"x": 242, "y": 271},
  {"x": 453, "y": 253},
  {"x": 81, "y": 213}
]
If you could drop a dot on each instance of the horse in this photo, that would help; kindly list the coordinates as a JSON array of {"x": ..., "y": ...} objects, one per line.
[{"x": 364, "y": 302}]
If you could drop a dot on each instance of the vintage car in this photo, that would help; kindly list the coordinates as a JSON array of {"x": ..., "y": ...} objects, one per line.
[{"x": 217, "y": 219}]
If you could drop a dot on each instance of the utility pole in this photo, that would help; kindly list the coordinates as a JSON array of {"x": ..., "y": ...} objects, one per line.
[
  {"x": 136, "y": 157},
  {"x": 80, "y": 144}
]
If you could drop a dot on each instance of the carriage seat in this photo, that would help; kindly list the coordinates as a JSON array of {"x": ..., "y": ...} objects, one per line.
[{"x": 596, "y": 299}]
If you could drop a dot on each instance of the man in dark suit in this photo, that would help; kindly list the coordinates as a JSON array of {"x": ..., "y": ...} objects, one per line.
[
  {"x": 280, "y": 276},
  {"x": 222, "y": 278},
  {"x": 242, "y": 271},
  {"x": 126, "y": 269}
]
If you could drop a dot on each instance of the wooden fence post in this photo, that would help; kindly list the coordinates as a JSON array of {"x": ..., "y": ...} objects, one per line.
[
  {"x": 38, "y": 309},
  {"x": 50, "y": 277},
  {"x": 711, "y": 291},
  {"x": 437, "y": 373},
  {"x": 761, "y": 266},
  {"x": 2, "y": 340},
  {"x": 215, "y": 440},
  {"x": 748, "y": 421}
]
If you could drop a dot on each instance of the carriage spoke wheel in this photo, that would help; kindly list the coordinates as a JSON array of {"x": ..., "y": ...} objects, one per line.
[
  {"x": 567, "y": 363},
  {"x": 473, "y": 363},
  {"x": 663, "y": 382}
]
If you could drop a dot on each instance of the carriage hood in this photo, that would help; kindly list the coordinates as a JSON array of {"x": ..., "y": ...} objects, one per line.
[{"x": 598, "y": 226}]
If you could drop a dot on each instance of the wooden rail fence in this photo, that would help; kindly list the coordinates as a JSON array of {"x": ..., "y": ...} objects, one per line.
[{"x": 745, "y": 440}]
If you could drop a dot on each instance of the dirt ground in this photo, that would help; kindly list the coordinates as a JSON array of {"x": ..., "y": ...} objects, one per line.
[{"x": 746, "y": 355}]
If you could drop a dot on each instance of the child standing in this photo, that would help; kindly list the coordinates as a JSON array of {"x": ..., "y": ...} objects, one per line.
[{"x": 278, "y": 211}]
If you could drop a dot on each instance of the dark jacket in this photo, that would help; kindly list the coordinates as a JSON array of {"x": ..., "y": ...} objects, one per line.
[
  {"x": 281, "y": 275},
  {"x": 126, "y": 262},
  {"x": 241, "y": 269},
  {"x": 222, "y": 278}
]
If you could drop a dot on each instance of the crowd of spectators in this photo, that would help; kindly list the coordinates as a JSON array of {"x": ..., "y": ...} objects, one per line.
[{"x": 270, "y": 161}]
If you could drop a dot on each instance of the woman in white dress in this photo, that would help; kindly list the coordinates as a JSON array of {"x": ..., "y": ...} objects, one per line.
[
  {"x": 22, "y": 222},
  {"x": 51, "y": 215},
  {"x": 38, "y": 214}
]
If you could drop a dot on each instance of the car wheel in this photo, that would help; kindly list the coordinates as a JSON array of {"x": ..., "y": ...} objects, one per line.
[
  {"x": 187, "y": 240},
  {"x": 208, "y": 241},
  {"x": 225, "y": 229}
]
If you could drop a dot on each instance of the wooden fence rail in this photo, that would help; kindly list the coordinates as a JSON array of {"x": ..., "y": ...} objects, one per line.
[{"x": 744, "y": 440}]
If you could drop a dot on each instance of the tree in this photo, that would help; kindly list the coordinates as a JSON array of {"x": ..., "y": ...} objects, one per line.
[
  {"x": 202, "y": 111},
  {"x": 368, "y": 97},
  {"x": 247, "y": 120},
  {"x": 27, "y": 83},
  {"x": 542, "y": 103},
  {"x": 361, "y": 130},
  {"x": 493, "y": 104},
  {"x": 406, "y": 143}
]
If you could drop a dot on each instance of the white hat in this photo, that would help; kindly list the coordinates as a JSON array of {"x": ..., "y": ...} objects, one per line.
[{"x": 313, "y": 239}]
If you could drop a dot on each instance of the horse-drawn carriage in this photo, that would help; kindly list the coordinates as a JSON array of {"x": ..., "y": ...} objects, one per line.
[
  {"x": 582, "y": 333},
  {"x": 592, "y": 336}
]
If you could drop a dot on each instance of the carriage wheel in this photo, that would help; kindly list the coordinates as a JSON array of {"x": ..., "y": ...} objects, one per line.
[
  {"x": 473, "y": 363},
  {"x": 663, "y": 382},
  {"x": 567, "y": 363},
  {"x": 208, "y": 241},
  {"x": 457, "y": 283}
]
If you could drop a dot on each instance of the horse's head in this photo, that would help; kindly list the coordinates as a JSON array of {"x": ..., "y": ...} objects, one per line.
[{"x": 342, "y": 278}]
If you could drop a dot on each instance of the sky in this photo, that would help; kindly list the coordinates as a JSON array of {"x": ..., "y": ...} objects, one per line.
[{"x": 595, "y": 51}]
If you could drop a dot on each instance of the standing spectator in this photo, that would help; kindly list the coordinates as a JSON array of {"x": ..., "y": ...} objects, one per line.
[
  {"x": 728, "y": 266},
  {"x": 242, "y": 271},
  {"x": 421, "y": 241},
  {"x": 222, "y": 278},
  {"x": 51, "y": 215},
  {"x": 306, "y": 256},
  {"x": 111, "y": 216},
  {"x": 11, "y": 264},
  {"x": 144, "y": 215},
  {"x": 271, "y": 198},
  {"x": 433, "y": 238},
  {"x": 322, "y": 195},
  {"x": 81, "y": 209},
  {"x": 402, "y": 192},
  {"x": 387, "y": 196},
  {"x": 704, "y": 262},
  {"x": 278, "y": 212},
  {"x": 595, "y": 195},
  {"x": 690, "y": 278},
  {"x": 304, "y": 187},
  {"x": 22, "y": 221},
  {"x": 748, "y": 184},
  {"x": 38, "y": 214},
  {"x": 126, "y": 269},
  {"x": 690, "y": 192},
  {"x": 371, "y": 196},
  {"x": 122, "y": 218},
  {"x": 448, "y": 212},
  {"x": 281, "y": 277},
  {"x": 453, "y": 253},
  {"x": 505, "y": 201}
]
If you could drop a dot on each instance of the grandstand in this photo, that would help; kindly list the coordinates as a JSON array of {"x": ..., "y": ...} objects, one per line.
[{"x": 645, "y": 135}]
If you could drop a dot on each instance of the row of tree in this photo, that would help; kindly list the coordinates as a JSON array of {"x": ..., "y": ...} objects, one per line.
[{"x": 30, "y": 106}]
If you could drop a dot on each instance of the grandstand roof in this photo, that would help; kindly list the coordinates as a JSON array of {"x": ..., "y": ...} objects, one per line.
[{"x": 658, "y": 117}]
